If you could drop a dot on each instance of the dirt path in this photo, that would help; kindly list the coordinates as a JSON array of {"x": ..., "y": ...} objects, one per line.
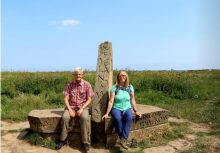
[
  {"x": 189, "y": 140},
  {"x": 12, "y": 141}
]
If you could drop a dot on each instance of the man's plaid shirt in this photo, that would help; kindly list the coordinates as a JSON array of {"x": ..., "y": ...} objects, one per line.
[{"x": 78, "y": 93}]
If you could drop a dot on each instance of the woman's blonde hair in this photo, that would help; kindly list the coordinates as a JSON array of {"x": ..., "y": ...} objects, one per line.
[{"x": 126, "y": 81}]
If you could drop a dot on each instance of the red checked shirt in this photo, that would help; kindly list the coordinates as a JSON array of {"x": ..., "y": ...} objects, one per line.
[{"x": 78, "y": 93}]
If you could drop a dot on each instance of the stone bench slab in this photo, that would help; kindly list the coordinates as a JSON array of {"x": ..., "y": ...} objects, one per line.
[
  {"x": 151, "y": 116},
  {"x": 154, "y": 122},
  {"x": 140, "y": 134},
  {"x": 49, "y": 121}
]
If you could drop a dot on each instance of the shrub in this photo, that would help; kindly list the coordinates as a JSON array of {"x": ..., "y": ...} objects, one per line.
[
  {"x": 19, "y": 107},
  {"x": 8, "y": 88},
  {"x": 176, "y": 88},
  {"x": 37, "y": 85},
  {"x": 35, "y": 139},
  {"x": 53, "y": 97}
]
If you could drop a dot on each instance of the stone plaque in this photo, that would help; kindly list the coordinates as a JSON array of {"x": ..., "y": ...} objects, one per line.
[
  {"x": 104, "y": 74},
  {"x": 140, "y": 134},
  {"x": 151, "y": 116}
]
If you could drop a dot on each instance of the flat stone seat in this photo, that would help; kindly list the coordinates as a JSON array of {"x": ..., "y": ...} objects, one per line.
[
  {"x": 154, "y": 122},
  {"x": 151, "y": 116},
  {"x": 49, "y": 121}
]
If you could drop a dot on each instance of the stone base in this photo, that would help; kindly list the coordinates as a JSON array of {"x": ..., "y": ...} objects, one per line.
[
  {"x": 154, "y": 122},
  {"x": 49, "y": 121},
  {"x": 151, "y": 116},
  {"x": 140, "y": 134},
  {"x": 45, "y": 121}
]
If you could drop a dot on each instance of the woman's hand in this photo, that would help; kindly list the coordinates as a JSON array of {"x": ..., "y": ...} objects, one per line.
[
  {"x": 104, "y": 116},
  {"x": 138, "y": 114}
]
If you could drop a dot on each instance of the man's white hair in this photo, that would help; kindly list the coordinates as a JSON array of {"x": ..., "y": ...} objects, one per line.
[{"x": 78, "y": 69}]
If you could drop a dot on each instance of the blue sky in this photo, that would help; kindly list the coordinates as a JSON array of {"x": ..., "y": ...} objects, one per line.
[{"x": 58, "y": 35}]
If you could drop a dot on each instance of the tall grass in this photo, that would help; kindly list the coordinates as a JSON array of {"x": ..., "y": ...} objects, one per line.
[
  {"x": 18, "y": 107},
  {"x": 191, "y": 94}
]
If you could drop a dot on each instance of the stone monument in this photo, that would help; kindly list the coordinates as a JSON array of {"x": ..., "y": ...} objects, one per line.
[
  {"x": 154, "y": 121},
  {"x": 103, "y": 83}
]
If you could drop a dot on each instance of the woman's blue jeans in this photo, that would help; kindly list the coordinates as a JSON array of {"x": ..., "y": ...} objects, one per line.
[{"x": 123, "y": 121}]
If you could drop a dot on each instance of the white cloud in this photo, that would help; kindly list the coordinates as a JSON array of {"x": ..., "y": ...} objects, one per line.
[
  {"x": 63, "y": 24},
  {"x": 70, "y": 22}
]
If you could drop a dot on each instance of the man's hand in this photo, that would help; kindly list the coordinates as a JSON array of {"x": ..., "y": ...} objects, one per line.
[
  {"x": 79, "y": 112},
  {"x": 72, "y": 113}
]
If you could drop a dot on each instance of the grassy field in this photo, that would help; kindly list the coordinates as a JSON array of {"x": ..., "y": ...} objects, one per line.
[{"x": 194, "y": 95}]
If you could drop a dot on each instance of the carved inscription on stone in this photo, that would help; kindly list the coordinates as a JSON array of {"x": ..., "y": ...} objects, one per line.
[
  {"x": 147, "y": 120},
  {"x": 140, "y": 134},
  {"x": 103, "y": 81}
]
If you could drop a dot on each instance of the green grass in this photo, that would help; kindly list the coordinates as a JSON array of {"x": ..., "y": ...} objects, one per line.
[
  {"x": 194, "y": 95},
  {"x": 199, "y": 147},
  {"x": 17, "y": 109},
  {"x": 211, "y": 133},
  {"x": 177, "y": 130},
  {"x": 36, "y": 139}
]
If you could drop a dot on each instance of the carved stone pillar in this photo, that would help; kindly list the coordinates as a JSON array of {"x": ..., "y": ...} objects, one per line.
[{"x": 104, "y": 74}]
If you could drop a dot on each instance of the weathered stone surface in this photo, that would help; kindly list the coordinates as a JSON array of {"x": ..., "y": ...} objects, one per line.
[
  {"x": 140, "y": 134},
  {"x": 151, "y": 116},
  {"x": 104, "y": 74},
  {"x": 48, "y": 121}
]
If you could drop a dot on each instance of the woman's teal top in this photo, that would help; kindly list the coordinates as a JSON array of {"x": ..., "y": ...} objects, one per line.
[{"x": 122, "y": 99}]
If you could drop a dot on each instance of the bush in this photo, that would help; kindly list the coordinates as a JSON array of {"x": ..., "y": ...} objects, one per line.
[
  {"x": 35, "y": 139},
  {"x": 53, "y": 97},
  {"x": 8, "y": 88},
  {"x": 36, "y": 85},
  {"x": 19, "y": 107},
  {"x": 176, "y": 88}
]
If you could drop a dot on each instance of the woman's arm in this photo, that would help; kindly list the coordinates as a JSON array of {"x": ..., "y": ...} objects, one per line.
[
  {"x": 133, "y": 102},
  {"x": 110, "y": 104}
]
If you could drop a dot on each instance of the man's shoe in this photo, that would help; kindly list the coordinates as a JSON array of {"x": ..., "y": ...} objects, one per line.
[
  {"x": 60, "y": 144},
  {"x": 86, "y": 146}
]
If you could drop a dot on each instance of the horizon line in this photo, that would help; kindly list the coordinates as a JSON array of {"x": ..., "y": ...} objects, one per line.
[{"x": 91, "y": 70}]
